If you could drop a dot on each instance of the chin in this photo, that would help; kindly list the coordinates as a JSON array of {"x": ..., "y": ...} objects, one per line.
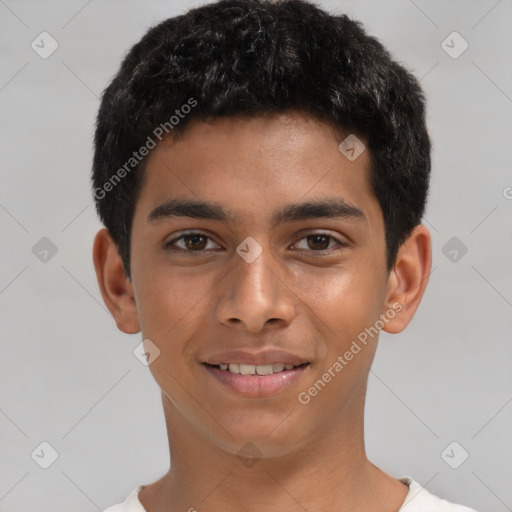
[{"x": 261, "y": 435}]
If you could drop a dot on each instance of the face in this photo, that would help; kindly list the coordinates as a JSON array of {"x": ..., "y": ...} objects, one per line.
[{"x": 253, "y": 293}]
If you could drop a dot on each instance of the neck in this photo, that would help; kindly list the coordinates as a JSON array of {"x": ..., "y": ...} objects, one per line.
[{"x": 329, "y": 471}]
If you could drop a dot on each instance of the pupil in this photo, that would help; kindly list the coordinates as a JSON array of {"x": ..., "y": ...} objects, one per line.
[
  {"x": 317, "y": 237},
  {"x": 194, "y": 240}
]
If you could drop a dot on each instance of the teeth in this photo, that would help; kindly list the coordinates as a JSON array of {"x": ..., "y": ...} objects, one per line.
[
  {"x": 234, "y": 368},
  {"x": 264, "y": 369},
  {"x": 252, "y": 369},
  {"x": 247, "y": 369}
]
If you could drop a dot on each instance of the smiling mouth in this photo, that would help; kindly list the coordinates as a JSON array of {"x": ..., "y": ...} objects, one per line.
[{"x": 255, "y": 369}]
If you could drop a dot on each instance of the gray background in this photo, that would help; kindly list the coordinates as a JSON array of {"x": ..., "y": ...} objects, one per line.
[{"x": 69, "y": 377}]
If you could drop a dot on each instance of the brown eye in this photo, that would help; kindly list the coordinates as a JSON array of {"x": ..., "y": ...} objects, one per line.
[
  {"x": 190, "y": 242},
  {"x": 195, "y": 241},
  {"x": 318, "y": 242}
]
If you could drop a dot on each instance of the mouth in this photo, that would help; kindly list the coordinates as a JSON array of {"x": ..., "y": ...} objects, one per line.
[
  {"x": 255, "y": 369},
  {"x": 257, "y": 380}
]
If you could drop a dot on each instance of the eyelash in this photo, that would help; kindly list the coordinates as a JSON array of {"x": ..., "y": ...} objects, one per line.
[{"x": 171, "y": 245}]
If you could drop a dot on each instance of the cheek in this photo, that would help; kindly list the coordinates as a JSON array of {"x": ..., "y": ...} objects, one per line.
[
  {"x": 346, "y": 301},
  {"x": 168, "y": 310},
  {"x": 165, "y": 298},
  {"x": 172, "y": 307}
]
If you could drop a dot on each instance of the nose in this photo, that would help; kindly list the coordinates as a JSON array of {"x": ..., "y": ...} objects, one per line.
[{"x": 255, "y": 294}]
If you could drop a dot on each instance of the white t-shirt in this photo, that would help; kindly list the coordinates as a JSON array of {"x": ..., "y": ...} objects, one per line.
[{"x": 418, "y": 499}]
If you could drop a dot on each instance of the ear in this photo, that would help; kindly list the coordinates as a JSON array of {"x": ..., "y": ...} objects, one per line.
[
  {"x": 408, "y": 279},
  {"x": 116, "y": 288}
]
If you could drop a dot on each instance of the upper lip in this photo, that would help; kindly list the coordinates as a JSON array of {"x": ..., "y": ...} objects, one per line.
[{"x": 256, "y": 358}]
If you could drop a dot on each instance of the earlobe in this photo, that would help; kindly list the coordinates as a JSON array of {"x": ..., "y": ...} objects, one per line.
[
  {"x": 408, "y": 279},
  {"x": 116, "y": 289}
]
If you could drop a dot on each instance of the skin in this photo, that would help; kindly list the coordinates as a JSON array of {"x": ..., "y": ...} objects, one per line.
[{"x": 311, "y": 457}]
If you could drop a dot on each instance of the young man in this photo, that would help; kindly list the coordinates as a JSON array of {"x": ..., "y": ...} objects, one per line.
[{"x": 262, "y": 169}]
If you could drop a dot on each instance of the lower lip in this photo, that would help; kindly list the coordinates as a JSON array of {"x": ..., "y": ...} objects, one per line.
[{"x": 257, "y": 386}]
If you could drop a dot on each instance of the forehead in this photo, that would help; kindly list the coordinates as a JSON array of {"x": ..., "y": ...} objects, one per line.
[{"x": 255, "y": 165}]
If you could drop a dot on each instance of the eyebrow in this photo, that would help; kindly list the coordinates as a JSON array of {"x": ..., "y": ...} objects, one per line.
[{"x": 323, "y": 208}]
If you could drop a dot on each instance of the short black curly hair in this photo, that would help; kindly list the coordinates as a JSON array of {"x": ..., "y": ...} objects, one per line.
[{"x": 248, "y": 58}]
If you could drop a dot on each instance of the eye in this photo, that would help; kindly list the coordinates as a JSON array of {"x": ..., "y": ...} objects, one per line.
[
  {"x": 197, "y": 242},
  {"x": 191, "y": 242},
  {"x": 319, "y": 242}
]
